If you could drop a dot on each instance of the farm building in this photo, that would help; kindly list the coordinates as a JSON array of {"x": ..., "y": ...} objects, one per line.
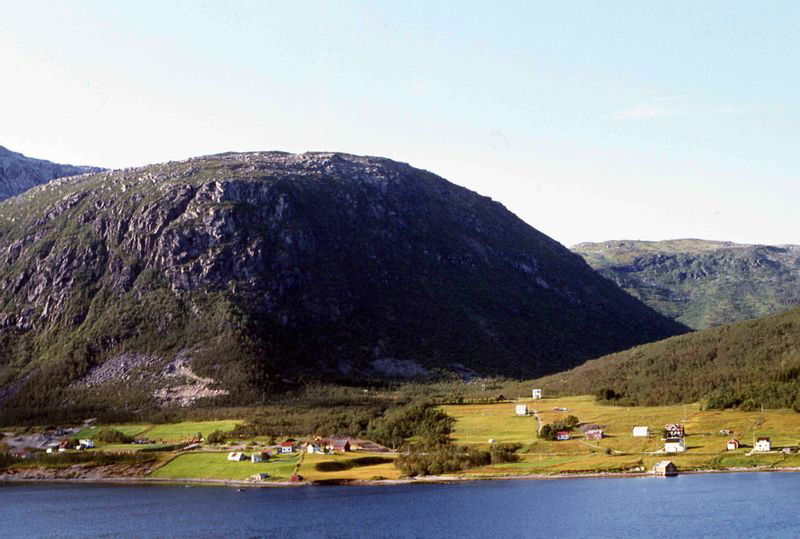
[
  {"x": 536, "y": 393},
  {"x": 733, "y": 444},
  {"x": 675, "y": 430},
  {"x": 87, "y": 443},
  {"x": 313, "y": 448},
  {"x": 521, "y": 409},
  {"x": 256, "y": 457},
  {"x": 287, "y": 447},
  {"x": 237, "y": 456},
  {"x": 675, "y": 445},
  {"x": 641, "y": 432},
  {"x": 665, "y": 467},
  {"x": 763, "y": 444},
  {"x": 594, "y": 434},
  {"x": 341, "y": 445},
  {"x": 563, "y": 435}
]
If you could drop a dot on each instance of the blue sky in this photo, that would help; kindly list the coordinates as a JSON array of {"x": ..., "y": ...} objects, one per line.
[{"x": 589, "y": 120}]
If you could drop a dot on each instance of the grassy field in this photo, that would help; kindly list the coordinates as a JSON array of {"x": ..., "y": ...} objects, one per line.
[
  {"x": 178, "y": 432},
  {"x": 477, "y": 423},
  {"x": 620, "y": 451},
  {"x": 204, "y": 465},
  {"x": 364, "y": 466}
]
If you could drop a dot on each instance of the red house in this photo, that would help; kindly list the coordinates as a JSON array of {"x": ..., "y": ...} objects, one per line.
[{"x": 563, "y": 435}]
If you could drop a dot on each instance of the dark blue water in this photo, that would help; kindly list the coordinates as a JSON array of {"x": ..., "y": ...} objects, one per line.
[{"x": 734, "y": 505}]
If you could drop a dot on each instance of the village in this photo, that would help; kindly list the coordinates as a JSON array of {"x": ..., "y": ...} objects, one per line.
[{"x": 552, "y": 436}]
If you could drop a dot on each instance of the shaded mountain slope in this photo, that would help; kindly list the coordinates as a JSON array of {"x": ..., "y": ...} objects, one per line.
[{"x": 254, "y": 269}]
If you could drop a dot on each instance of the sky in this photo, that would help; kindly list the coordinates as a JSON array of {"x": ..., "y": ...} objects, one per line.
[{"x": 591, "y": 121}]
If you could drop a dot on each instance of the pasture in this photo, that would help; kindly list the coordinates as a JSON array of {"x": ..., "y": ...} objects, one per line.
[
  {"x": 214, "y": 465},
  {"x": 354, "y": 465}
]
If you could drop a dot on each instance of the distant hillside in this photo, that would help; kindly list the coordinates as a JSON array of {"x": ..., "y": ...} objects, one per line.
[
  {"x": 228, "y": 275},
  {"x": 19, "y": 173},
  {"x": 747, "y": 364},
  {"x": 702, "y": 283}
]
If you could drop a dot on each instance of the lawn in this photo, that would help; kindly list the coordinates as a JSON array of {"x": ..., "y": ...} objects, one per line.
[
  {"x": 206, "y": 465},
  {"x": 354, "y": 465},
  {"x": 178, "y": 432}
]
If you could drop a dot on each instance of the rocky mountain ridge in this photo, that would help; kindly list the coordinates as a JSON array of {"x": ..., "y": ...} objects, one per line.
[
  {"x": 702, "y": 283},
  {"x": 19, "y": 173}
]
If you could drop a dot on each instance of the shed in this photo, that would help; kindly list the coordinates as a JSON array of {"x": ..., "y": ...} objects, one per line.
[
  {"x": 88, "y": 443},
  {"x": 763, "y": 444},
  {"x": 665, "y": 467},
  {"x": 237, "y": 456},
  {"x": 643, "y": 432},
  {"x": 733, "y": 444},
  {"x": 259, "y": 476},
  {"x": 675, "y": 445},
  {"x": 594, "y": 434},
  {"x": 521, "y": 409},
  {"x": 341, "y": 445}
]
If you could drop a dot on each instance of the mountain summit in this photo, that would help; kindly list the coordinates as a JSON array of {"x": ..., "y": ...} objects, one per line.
[
  {"x": 247, "y": 269},
  {"x": 19, "y": 173}
]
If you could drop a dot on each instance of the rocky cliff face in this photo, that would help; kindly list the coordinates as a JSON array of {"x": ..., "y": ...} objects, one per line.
[
  {"x": 259, "y": 268},
  {"x": 19, "y": 173},
  {"x": 702, "y": 283}
]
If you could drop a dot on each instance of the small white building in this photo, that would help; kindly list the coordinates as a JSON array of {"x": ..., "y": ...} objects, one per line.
[
  {"x": 237, "y": 457},
  {"x": 256, "y": 457},
  {"x": 536, "y": 393},
  {"x": 522, "y": 409},
  {"x": 286, "y": 447},
  {"x": 87, "y": 443},
  {"x": 314, "y": 448},
  {"x": 732, "y": 445},
  {"x": 675, "y": 445},
  {"x": 642, "y": 432},
  {"x": 762, "y": 445},
  {"x": 563, "y": 435}
]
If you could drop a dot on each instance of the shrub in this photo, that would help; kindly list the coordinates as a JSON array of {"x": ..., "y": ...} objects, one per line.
[{"x": 112, "y": 436}]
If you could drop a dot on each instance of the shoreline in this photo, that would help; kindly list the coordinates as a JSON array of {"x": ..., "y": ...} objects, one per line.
[{"x": 426, "y": 480}]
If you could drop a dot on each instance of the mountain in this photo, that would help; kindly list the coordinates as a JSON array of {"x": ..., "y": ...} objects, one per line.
[
  {"x": 746, "y": 364},
  {"x": 229, "y": 275},
  {"x": 19, "y": 173},
  {"x": 702, "y": 283}
]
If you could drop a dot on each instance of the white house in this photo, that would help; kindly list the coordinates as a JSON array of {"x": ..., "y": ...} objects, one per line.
[
  {"x": 88, "y": 443},
  {"x": 563, "y": 435},
  {"x": 314, "y": 448},
  {"x": 675, "y": 445},
  {"x": 237, "y": 457},
  {"x": 641, "y": 431},
  {"x": 733, "y": 444},
  {"x": 762, "y": 444},
  {"x": 287, "y": 447},
  {"x": 536, "y": 393},
  {"x": 522, "y": 409}
]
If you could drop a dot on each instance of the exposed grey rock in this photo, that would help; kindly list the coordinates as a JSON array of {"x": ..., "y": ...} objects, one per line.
[{"x": 19, "y": 173}]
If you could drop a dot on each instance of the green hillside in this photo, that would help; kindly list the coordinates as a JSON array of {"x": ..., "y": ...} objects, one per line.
[
  {"x": 746, "y": 364},
  {"x": 702, "y": 283}
]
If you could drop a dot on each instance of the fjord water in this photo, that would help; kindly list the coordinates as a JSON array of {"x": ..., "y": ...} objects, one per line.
[{"x": 733, "y": 505}]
